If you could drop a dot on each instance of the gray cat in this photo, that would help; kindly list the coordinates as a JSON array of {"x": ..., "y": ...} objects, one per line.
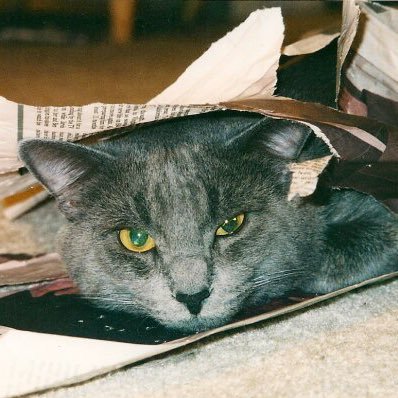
[{"x": 187, "y": 221}]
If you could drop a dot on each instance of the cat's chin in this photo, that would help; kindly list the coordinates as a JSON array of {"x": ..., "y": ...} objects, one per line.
[
  {"x": 195, "y": 324},
  {"x": 182, "y": 321}
]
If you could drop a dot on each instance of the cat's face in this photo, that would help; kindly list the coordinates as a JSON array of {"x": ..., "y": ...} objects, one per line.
[{"x": 177, "y": 191}]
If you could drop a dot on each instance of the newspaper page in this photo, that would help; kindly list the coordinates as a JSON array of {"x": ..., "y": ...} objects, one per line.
[
  {"x": 369, "y": 74},
  {"x": 305, "y": 176},
  {"x": 312, "y": 42},
  {"x": 240, "y": 65},
  {"x": 349, "y": 28}
]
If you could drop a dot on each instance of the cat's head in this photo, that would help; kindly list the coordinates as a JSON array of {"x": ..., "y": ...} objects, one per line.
[{"x": 186, "y": 221}]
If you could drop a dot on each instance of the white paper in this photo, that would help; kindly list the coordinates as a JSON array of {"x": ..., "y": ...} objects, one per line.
[
  {"x": 37, "y": 361},
  {"x": 349, "y": 27},
  {"x": 241, "y": 65},
  {"x": 374, "y": 67},
  {"x": 312, "y": 43}
]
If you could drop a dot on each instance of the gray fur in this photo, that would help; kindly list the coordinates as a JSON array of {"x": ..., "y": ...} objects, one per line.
[{"x": 179, "y": 180}]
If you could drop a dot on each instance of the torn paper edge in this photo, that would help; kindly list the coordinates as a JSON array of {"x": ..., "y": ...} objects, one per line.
[
  {"x": 312, "y": 43},
  {"x": 349, "y": 28},
  {"x": 234, "y": 65},
  {"x": 305, "y": 176}
]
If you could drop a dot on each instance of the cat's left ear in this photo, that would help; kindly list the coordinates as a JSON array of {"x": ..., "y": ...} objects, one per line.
[
  {"x": 63, "y": 168},
  {"x": 286, "y": 139}
]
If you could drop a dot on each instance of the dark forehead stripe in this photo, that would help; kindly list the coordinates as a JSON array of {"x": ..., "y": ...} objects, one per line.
[
  {"x": 142, "y": 207},
  {"x": 214, "y": 201}
]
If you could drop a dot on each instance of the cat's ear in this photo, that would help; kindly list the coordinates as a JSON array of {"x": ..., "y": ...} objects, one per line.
[
  {"x": 63, "y": 168},
  {"x": 285, "y": 139}
]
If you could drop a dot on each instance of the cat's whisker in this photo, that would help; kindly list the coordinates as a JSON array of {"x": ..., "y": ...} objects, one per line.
[
  {"x": 107, "y": 299},
  {"x": 283, "y": 272},
  {"x": 267, "y": 281},
  {"x": 114, "y": 303},
  {"x": 100, "y": 297},
  {"x": 275, "y": 278},
  {"x": 278, "y": 275}
]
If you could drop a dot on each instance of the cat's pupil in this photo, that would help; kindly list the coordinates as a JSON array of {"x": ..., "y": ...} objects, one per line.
[
  {"x": 138, "y": 238},
  {"x": 230, "y": 225}
]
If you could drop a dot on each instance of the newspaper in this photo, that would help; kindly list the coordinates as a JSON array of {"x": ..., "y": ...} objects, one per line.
[
  {"x": 369, "y": 77},
  {"x": 305, "y": 176},
  {"x": 237, "y": 66},
  {"x": 314, "y": 41}
]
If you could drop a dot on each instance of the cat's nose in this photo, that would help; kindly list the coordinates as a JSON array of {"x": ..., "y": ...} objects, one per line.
[{"x": 193, "y": 301}]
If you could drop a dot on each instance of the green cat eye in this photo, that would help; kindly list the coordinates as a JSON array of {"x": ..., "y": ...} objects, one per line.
[
  {"x": 230, "y": 225},
  {"x": 136, "y": 240}
]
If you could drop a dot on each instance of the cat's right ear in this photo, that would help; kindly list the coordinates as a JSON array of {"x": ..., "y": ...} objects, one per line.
[
  {"x": 285, "y": 139},
  {"x": 63, "y": 168}
]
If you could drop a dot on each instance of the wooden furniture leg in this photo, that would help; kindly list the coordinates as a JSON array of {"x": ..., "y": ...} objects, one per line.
[{"x": 122, "y": 14}]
